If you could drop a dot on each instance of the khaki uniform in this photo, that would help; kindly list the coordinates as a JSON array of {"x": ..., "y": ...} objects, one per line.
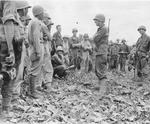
[
  {"x": 66, "y": 48},
  {"x": 8, "y": 30},
  {"x": 35, "y": 37},
  {"x": 124, "y": 51},
  {"x": 57, "y": 38},
  {"x": 86, "y": 48},
  {"x": 59, "y": 64},
  {"x": 142, "y": 50},
  {"x": 114, "y": 51},
  {"x": 75, "y": 52},
  {"x": 101, "y": 44},
  {"x": 47, "y": 64}
]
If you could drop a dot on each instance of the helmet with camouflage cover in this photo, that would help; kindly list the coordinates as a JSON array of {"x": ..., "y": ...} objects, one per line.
[
  {"x": 22, "y": 4},
  {"x": 37, "y": 10},
  {"x": 142, "y": 27},
  {"x": 100, "y": 17}
]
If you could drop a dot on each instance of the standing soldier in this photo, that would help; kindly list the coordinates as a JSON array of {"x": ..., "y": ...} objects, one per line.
[
  {"x": 19, "y": 46},
  {"x": 57, "y": 37},
  {"x": 123, "y": 52},
  {"x": 142, "y": 53},
  {"x": 101, "y": 43},
  {"x": 47, "y": 64},
  {"x": 75, "y": 49},
  {"x": 114, "y": 51},
  {"x": 86, "y": 50},
  {"x": 35, "y": 36},
  {"x": 9, "y": 61},
  {"x": 109, "y": 55},
  {"x": 66, "y": 48}
]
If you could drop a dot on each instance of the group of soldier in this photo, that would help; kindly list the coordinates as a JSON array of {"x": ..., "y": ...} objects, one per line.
[
  {"x": 28, "y": 49},
  {"x": 118, "y": 55}
]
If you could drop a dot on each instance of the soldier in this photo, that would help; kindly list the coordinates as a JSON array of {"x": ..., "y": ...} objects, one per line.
[
  {"x": 86, "y": 50},
  {"x": 57, "y": 37},
  {"x": 48, "y": 22},
  {"x": 114, "y": 54},
  {"x": 66, "y": 48},
  {"x": 19, "y": 46},
  {"x": 109, "y": 54},
  {"x": 123, "y": 52},
  {"x": 59, "y": 63},
  {"x": 35, "y": 37},
  {"x": 47, "y": 65},
  {"x": 8, "y": 58},
  {"x": 74, "y": 46},
  {"x": 101, "y": 43},
  {"x": 142, "y": 53}
]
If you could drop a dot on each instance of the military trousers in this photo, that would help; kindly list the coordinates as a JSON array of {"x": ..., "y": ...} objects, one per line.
[
  {"x": 141, "y": 65},
  {"x": 101, "y": 66},
  {"x": 114, "y": 62},
  {"x": 6, "y": 83},
  {"x": 60, "y": 71}
]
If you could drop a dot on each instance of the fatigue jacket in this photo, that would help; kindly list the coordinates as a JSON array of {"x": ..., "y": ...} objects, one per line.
[
  {"x": 101, "y": 41},
  {"x": 57, "y": 37},
  {"x": 35, "y": 37},
  {"x": 143, "y": 44}
]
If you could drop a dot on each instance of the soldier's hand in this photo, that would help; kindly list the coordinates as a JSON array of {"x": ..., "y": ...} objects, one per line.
[{"x": 11, "y": 58}]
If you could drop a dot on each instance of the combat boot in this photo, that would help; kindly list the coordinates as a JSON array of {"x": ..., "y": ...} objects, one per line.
[
  {"x": 48, "y": 86},
  {"x": 34, "y": 91}
]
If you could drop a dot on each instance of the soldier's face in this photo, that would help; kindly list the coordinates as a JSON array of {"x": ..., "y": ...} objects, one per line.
[
  {"x": 46, "y": 20},
  {"x": 141, "y": 31},
  {"x": 59, "y": 28},
  {"x": 98, "y": 23},
  {"x": 74, "y": 33}
]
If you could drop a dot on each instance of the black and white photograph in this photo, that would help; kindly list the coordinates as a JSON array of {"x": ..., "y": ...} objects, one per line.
[{"x": 74, "y": 61}]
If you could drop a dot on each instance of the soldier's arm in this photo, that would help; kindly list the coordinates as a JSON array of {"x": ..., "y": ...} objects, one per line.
[
  {"x": 36, "y": 38},
  {"x": 9, "y": 32}
]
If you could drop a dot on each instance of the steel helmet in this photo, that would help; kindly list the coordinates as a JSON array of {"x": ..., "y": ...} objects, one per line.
[
  {"x": 22, "y": 4},
  {"x": 100, "y": 17},
  {"x": 74, "y": 30},
  {"x": 142, "y": 27},
  {"x": 59, "y": 48},
  {"x": 37, "y": 10}
]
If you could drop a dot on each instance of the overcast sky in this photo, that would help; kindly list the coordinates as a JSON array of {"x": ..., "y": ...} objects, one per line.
[{"x": 125, "y": 16}]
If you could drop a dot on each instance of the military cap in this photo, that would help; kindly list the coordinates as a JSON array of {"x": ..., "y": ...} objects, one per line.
[{"x": 100, "y": 17}]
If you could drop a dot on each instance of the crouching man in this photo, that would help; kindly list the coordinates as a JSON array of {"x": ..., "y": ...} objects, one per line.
[{"x": 59, "y": 63}]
